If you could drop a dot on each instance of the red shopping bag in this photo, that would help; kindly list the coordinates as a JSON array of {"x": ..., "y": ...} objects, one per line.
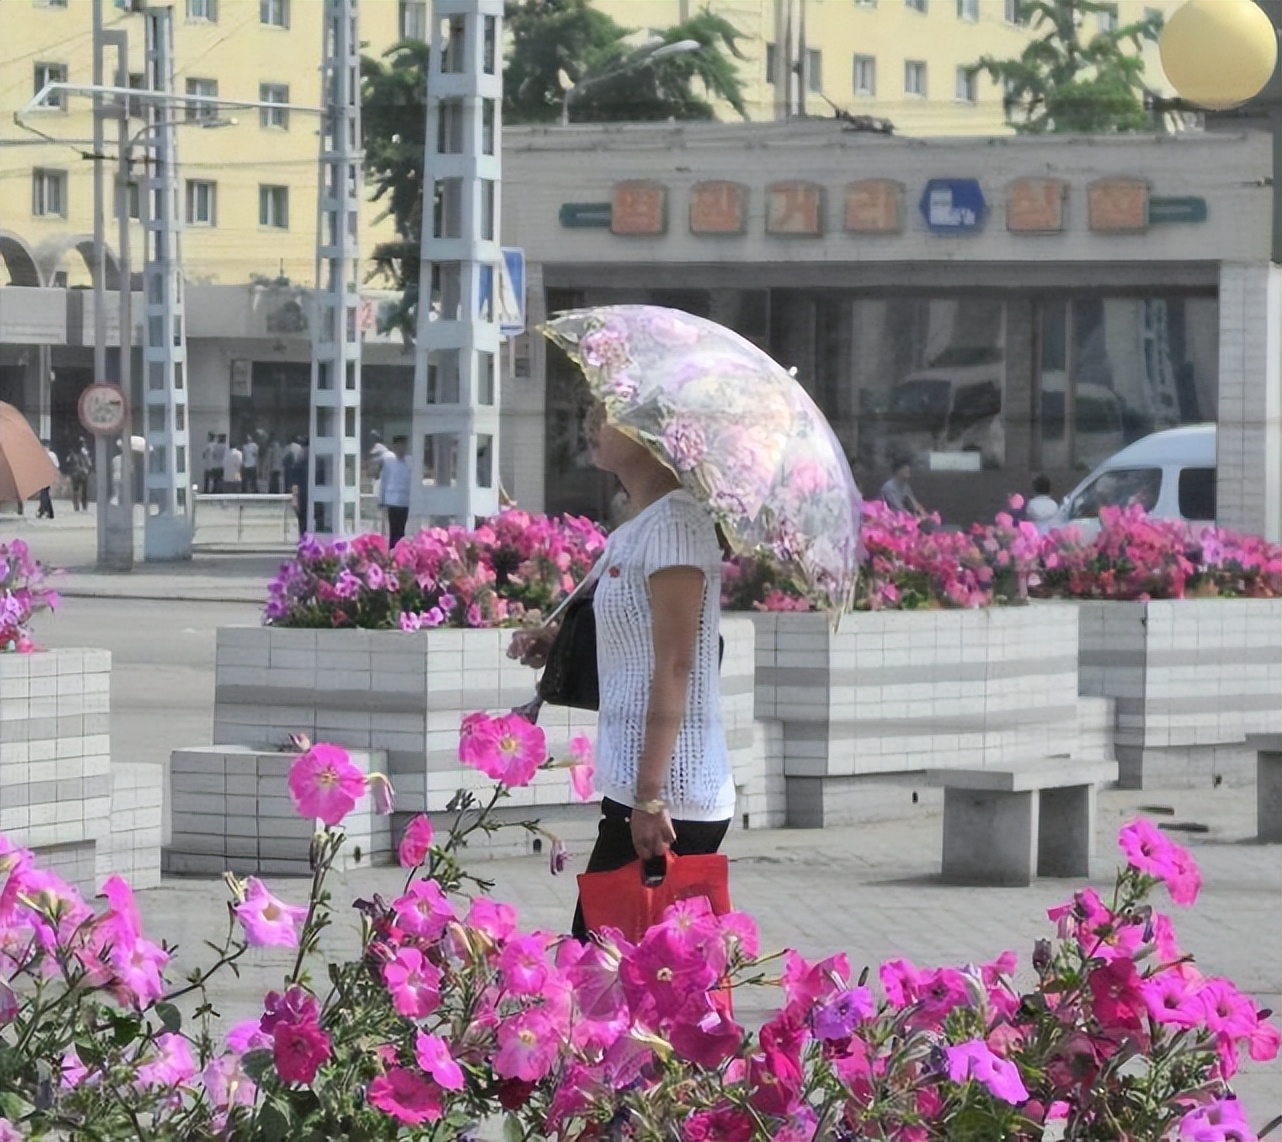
[{"x": 622, "y": 899}]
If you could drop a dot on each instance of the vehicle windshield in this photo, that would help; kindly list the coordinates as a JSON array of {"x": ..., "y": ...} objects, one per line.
[{"x": 1118, "y": 488}]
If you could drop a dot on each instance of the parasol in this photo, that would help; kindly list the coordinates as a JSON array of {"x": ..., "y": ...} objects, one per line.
[
  {"x": 25, "y": 467},
  {"x": 738, "y": 429}
]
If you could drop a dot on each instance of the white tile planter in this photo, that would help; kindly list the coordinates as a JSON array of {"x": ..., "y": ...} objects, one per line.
[
  {"x": 896, "y": 692},
  {"x": 406, "y": 693},
  {"x": 1190, "y": 678},
  {"x": 232, "y": 810},
  {"x": 59, "y": 794}
]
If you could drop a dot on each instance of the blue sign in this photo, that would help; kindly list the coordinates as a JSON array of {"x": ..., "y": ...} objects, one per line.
[
  {"x": 509, "y": 304},
  {"x": 953, "y": 205}
]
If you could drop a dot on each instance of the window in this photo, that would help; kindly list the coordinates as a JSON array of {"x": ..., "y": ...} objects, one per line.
[
  {"x": 865, "y": 75},
  {"x": 412, "y": 19},
  {"x": 134, "y": 194},
  {"x": 204, "y": 89},
  {"x": 202, "y": 199},
  {"x": 274, "y": 12},
  {"x": 814, "y": 70},
  {"x": 1108, "y": 19},
  {"x": 865, "y": 3},
  {"x": 273, "y": 207},
  {"x": 771, "y": 58},
  {"x": 1014, "y": 12},
  {"x": 1197, "y": 493},
  {"x": 967, "y": 85},
  {"x": 46, "y": 73},
  {"x": 202, "y": 10},
  {"x": 48, "y": 193},
  {"x": 51, "y": 3},
  {"x": 968, "y": 10},
  {"x": 277, "y": 117},
  {"x": 915, "y": 77},
  {"x": 1118, "y": 488},
  {"x": 915, "y": 5}
]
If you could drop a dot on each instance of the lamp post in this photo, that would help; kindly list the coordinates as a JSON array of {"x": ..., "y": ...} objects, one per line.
[
  {"x": 643, "y": 57},
  {"x": 1220, "y": 54}
]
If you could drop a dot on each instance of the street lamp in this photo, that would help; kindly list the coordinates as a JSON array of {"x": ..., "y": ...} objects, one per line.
[{"x": 643, "y": 57}]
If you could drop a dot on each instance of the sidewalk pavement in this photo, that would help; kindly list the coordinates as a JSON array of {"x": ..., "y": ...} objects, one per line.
[{"x": 872, "y": 891}]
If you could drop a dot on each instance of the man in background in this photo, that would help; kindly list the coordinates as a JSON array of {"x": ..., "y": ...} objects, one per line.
[
  {"x": 233, "y": 466},
  {"x": 394, "y": 490},
  {"x": 250, "y": 471},
  {"x": 46, "y": 500}
]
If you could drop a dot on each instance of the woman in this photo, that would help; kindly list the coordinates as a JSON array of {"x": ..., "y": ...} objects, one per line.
[{"x": 662, "y": 764}]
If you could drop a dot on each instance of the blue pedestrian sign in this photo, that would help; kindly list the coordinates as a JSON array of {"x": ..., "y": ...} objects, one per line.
[{"x": 953, "y": 205}]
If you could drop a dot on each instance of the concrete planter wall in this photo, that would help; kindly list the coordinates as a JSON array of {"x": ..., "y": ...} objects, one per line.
[
  {"x": 1190, "y": 678},
  {"x": 896, "y": 692},
  {"x": 232, "y": 810},
  {"x": 59, "y": 794},
  {"x": 405, "y": 694}
]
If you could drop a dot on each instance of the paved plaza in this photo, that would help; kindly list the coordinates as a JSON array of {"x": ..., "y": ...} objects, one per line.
[{"x": 872, "y": 891}]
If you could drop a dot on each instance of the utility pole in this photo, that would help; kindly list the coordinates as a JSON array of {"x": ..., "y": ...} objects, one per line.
[
  {"x": 334, "y": 450},
  {"x": 455, "y": 444},
  {"x": 166, "y": 507}
]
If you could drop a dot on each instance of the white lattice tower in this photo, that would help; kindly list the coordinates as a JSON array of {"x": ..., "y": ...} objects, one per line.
[
  {"x": 456, "y": 367},
  {"x": 335, "y": 426},
  {"x": 168, "y": 479}
]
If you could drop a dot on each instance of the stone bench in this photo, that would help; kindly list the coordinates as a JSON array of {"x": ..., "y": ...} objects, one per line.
[
  {"x": 1003, "y": 825},
  {"x": 1268, "y": 785}
]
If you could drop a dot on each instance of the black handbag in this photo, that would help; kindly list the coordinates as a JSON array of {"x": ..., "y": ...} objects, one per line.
[{"x": 569, "y": 676}]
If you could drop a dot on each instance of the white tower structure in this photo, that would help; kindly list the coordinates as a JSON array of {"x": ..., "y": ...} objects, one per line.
[
  {"x": 455, "y": 440},
  {"x": 167, "y": 481},
  {"x": 334, "y": 466}
]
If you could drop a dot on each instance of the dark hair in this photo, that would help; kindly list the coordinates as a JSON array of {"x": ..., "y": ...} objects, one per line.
[
  {"x": 1041, "y": 485},
  {"x": 400, "y": 438},
  {"x": 901, "y": 460}
]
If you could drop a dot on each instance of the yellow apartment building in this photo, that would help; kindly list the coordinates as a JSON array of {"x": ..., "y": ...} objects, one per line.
[{"x": 902, "y": 60}]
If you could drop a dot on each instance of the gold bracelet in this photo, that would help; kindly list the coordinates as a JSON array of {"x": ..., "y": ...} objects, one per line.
[{"x": 651, "y": 808}]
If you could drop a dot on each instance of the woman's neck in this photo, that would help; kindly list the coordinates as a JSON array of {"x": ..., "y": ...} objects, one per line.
[{"x": 647, "y": 485}]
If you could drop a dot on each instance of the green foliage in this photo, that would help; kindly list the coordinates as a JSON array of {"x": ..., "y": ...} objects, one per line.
[{"x": 1070, "y": 80}]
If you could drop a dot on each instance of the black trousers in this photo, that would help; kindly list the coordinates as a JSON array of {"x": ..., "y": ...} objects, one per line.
[
  {"x": 46, "y": 504},
  {"x": 613, "y": 848},
  {"x": 396, "y": 520}
]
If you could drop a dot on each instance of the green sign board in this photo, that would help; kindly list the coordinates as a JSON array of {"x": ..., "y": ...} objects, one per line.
[
  {"x": 1162, "y": 210},
  {"x": 582, "y": 215}
]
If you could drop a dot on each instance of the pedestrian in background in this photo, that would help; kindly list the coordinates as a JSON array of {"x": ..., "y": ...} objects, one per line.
[
  {"x": 46, "y": 500},
  {"x": 233, "y": 467},
  {"x": 275, "y": 466},
  {"x": 295, "y": 475},
  {"x": 78, "y": 464},
  {"x": 249, "y": 476},
  {"x": 394, "y": 490},
  {"x": 218, "y": 457},
  {"x": 897, "y": 492},
  {"x": 1041, "y": 509},
  {"x": 213, "y": 472}
]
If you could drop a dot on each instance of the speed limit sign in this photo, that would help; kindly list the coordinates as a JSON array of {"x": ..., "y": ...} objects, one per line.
[{"x": 103, "y": 409}]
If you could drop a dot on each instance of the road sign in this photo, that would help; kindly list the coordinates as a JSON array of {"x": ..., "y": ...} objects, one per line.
[
  {"x": 583, "y": 215},
  {"x": 103, "y": 409},
  {"x": 953, "y": 205},
  {"x": 510, "y": 303}
]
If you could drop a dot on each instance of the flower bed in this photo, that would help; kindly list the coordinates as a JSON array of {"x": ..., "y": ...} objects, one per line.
[
  {"x": 452, "y": 1015},
  {"x": 24, "y": 591}
]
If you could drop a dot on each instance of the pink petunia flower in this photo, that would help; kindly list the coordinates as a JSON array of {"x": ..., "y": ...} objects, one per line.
[
  {"x": 324, "y": 783},
  {"x": 1171, "y": 998},
  {"x": 496, "y": 919},
  {"x": 172, "y": 1065},
  {"x": 1226, "y": 1010},
  {"x": 299, "y": 1050},
  {"x": 433, "y": 1054},
  {"x": 424, "y": 910},
  {"x": 524, "y": 965},
  {"x": 528, "y": 1046},
  {"x": 268, "y": 921},
  {"x": 227, "y": 1084},
  {"x": 406, "y": 1096},
  {"x": 583, "y": 771},
  {"x": 414, "y": 984},
  {"x": 416, "y": 843},
  {"x": 1219, "y": 1121},
  {"x": 508, "y": 749},
  {"x": 974, "y": 1060}
]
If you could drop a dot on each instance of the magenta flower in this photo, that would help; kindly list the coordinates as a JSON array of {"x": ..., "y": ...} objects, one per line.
[
  {"x": 583, "y": 771},
  {"x": 1219, "y": 1121},
  {"x": 1146, "y": 848},
  {"x": 406, "y": 1096},
  {"x": 709, "y": 1042},
  {"x": 508, "y": 748},
  {"x": 299, "y": 1050},
  {"x": 227, "y": 1084},
  {"x": 413, "y": 983},
  {"x": 172, "y": 1066},
  {"x": 529, "y": 1046},
  {"x": 1170, "y": 998},
  {"x": 1226, "y": 1010},
  {"x": 268, "y": 921},
  {"x": 497, "y": 920},
  {"x": 524, "y": 965},
  {"x": 325, "y": 784},
  {"x": 416, "y": 843},
  {"x": 424, "y": 910},
  {"x": 974, "y": 1060},
  {"x": 665, "y": 977},
  {"x": 433, "y": 1054},
  {"x": 838, "y": 1016}
]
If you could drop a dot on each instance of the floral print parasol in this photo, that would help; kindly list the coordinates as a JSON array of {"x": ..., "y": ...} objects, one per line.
[{"x": 740, "y": 432}]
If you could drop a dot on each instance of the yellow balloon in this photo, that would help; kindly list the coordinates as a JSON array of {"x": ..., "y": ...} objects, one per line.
[{"x": 1218, "y": 53}]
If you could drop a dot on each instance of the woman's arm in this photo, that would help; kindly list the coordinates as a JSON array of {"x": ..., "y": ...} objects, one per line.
[{"x": 676, "y": 600}]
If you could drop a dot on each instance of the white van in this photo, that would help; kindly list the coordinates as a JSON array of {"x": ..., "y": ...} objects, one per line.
[{"x": 1170, "y": 474}]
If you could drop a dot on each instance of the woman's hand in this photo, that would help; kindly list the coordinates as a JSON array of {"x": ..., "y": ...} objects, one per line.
[
  {"x": 531, "y": 646},
  {"x": 652, "y": 833}
]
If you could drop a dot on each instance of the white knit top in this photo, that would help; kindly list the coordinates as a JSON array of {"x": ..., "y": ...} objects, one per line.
[{"x": 674, "y": 531}]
